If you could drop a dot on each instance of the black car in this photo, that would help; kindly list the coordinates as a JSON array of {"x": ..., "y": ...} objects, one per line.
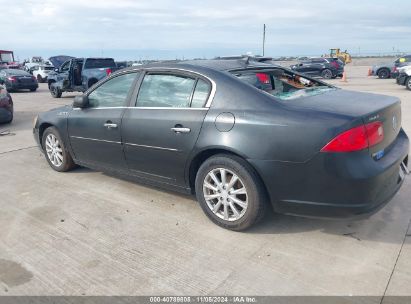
[
  {"x": 6, "y": 106},
  {"x": 325, "y": 67},
  {"x": 14, "y": 79},
  {"x": 239, "y": 134}
]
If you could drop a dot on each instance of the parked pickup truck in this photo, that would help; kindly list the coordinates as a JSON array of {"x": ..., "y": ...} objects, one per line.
[{"x": 79, "y": 74}]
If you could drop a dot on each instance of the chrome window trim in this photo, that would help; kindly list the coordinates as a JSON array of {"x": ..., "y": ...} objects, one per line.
[{"x": 207, "y": 104}]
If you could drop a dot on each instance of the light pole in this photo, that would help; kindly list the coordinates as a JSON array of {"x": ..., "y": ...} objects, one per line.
[{"x": 264, "y": 40}]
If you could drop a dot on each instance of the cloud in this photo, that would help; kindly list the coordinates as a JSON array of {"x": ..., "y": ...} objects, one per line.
[{"x": 192, "y": 28}]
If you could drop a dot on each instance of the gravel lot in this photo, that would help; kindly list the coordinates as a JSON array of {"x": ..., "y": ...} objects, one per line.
[{"x": 88, "y": 233}]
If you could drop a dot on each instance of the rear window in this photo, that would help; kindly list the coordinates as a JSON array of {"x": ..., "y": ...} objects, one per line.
[
  {"x": 48, "y": 68},
  {"x": 96, "y": 63},
  {"x": 318, "y": 60},
  {"x": 282, "y": 84},
  {"x": 16, "y": 72}
]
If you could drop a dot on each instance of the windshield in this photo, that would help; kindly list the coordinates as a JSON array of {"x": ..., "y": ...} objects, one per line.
[
  {"x": 57, "y": 61},
  {"x": 99, "y": 63},
  {"x": 282, "y": 84},
  {"x": 6, "y": 57}
]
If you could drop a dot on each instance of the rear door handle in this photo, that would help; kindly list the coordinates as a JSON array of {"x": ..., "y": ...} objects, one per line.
[
  {"x": 181, "y": 130},
  {"x": 110, "y": 125}
]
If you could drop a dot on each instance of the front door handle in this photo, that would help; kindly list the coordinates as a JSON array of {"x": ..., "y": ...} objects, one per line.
[
  {"x": 110, "y": 125},
  {"x": 181, "y": 130}
]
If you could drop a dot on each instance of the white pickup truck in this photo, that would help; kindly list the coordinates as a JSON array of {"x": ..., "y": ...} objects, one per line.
[{"x": 404, "y": 76}]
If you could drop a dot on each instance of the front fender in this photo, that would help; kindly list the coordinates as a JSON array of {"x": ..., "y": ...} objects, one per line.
[{"x": 56, "y": 118}]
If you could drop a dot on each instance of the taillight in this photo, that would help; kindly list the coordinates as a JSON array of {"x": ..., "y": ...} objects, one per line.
[
  {"x": 12, "y": 78},
  {"x": 33, "y": 78},
  {"x": 356, "y": 139},
  {"x": 335, "y": 64},
  {"x": 108, "y": 71},
  {"x": 375, "y": 133},
  {"x": 264, "y": 78}
]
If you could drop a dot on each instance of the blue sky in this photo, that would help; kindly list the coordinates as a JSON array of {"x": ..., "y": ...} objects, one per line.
[{"x": 166, "y": 29}]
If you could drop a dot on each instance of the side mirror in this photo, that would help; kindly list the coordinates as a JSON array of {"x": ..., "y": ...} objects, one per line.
[{"x": 80, "y": 102}]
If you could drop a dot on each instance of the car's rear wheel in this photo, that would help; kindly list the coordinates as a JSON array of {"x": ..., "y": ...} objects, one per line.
[
  {"x": 56, "y": 153},
  {"x": 327, "y": 74},
  {"x": 33, "y": 90},
  {"x": 408, "y": 83},
  {"x": 230, "y": 192},
  {"x": 383, "y": 74}
]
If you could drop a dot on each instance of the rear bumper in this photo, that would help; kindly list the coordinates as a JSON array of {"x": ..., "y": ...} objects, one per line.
[
  {"x": 22, "y": 86},
  {"x": 335, "y": 184}
]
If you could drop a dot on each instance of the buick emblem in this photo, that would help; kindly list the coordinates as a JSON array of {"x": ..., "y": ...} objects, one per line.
[{"x": 394, "y": 123}]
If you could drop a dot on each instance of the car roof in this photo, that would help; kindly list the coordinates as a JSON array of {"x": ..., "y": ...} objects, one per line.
[{"x": 213, "y": 64}]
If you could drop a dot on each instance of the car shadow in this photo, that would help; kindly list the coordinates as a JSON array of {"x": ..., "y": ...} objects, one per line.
[{"x": 382, "y": 226}]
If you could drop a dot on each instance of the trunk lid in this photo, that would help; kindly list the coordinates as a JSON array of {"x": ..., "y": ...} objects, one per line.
[
  {"x": 24, "y": 79},
  {"x": 358, "y": 106}
]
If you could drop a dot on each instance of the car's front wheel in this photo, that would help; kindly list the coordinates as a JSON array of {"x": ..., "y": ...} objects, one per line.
[
  {"x": 383, "y": 74},
  {"x": 408, "y": 83},
  {"x": 55, "y": 91},
  {"x": 56, "y": 153},
  {"x": 230, "y": 192}
]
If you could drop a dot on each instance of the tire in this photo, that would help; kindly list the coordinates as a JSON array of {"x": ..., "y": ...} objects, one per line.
[
  {"x": 91, "y": 83},
  {"x": 11, "y": 118},
  {"x": 326, "y": 74},
  {"x": 408, "y": 83},
  {"x": 33, "y": 90},
  {"x": 383, "y": 73},
  {"x": 55, "y": 151},
  {"x": 212, "y": 195},
  {"x": 55, "y": 91}
]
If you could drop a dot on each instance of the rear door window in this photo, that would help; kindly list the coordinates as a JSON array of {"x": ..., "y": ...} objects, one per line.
[
  {"x": 318, "y": 60},
  {"x": 166, "y": 90},
  {"x": 201, "y": 94}
]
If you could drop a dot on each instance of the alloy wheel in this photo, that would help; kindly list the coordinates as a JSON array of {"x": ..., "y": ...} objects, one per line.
[
  {"x": 327, "y": 74},
  {"x": 54, "y": 150},
  {"x": 225, "y": 194}
]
